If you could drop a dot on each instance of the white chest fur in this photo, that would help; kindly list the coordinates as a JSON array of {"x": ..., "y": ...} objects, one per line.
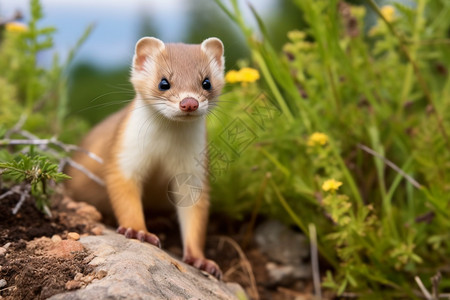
[{"x": 151, "y": 142}]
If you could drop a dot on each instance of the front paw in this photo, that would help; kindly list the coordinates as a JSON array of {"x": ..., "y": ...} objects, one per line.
[
  {"x": 141, "y": 235},
  {"x": 206, "y": 265}
]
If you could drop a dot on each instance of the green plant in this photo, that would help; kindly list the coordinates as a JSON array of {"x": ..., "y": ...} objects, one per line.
[
  {"x": 33, "y": 98},
  {"x": 35, "y": 170},
  {"x": 381, "y": 98},
  {"x": 30, "y": 91}
]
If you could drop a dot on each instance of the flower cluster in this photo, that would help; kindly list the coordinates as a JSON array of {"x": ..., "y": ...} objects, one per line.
[
  {"x": 388, "y": 12},
  {"x": 15, "y": 27},
  {"x": 317, "y": 139},
  {"x": 331, "y": 185},
  {"x": 243, "y": 75}
]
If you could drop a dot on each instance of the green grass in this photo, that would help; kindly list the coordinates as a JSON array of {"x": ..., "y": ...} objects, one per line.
[{"x": 382, "y": 98}]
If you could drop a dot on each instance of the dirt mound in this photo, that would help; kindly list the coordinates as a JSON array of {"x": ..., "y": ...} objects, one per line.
[{"x": 30, "y": 272}]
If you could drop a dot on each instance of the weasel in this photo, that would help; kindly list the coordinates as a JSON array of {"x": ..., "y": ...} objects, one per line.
[{"x": 157, "y": 136}]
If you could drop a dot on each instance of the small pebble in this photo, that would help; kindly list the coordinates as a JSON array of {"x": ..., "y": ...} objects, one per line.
[
  {"x": 97, "y": 230},
  {"x": 2, "y": 251},
  {"x": 78, "y": 276},
  {"x": 87, "y": 278},
  {"x": 56, "y": 238},
  {"x": 101, "y": 274},
  {"x": 73, "y": 285},
  {"x": 3, "y": 283},
  {"x": 73, "y": 236},
  {"x": 89, "y": 212},
  {"x": 72, "y": 205}
]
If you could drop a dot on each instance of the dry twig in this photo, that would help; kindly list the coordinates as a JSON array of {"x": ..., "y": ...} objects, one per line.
[
  {"x": 423, "y": 289},
  {"x": 31, "y": 139},
  {"x": 84, "y": 170},
  {"x": 392, "y": 165},
  {"x": 245, "y": 263},
  {"x": 23, "y": 190}
]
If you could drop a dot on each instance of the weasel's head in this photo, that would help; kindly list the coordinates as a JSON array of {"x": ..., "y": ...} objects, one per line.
[{"x": 178, "y": 81}]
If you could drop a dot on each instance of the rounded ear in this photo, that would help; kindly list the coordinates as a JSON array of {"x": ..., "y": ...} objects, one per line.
[
  {"x": 146, "y": 47},
  {"x": 213, "y": 47}
]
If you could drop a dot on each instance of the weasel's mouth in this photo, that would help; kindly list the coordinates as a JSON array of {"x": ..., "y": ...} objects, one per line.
[{"x": 186, "y": 116}]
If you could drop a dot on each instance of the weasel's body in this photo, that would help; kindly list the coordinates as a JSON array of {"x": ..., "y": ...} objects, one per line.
[{"x": 161, "y": 134}]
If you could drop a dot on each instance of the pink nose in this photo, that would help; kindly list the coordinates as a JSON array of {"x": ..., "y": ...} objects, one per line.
[{"x": 189, "y": 104}]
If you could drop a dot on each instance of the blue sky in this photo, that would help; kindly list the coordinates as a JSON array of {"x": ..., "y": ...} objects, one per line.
[{"x": 116, "y": 24}]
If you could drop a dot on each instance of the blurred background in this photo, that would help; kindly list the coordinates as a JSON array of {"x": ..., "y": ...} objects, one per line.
[{"x": 100, "y": 70}]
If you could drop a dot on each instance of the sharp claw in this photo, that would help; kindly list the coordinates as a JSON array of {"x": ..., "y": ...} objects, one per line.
[
  {"x": 153, "y": 239},
  {"x": 141, "y": 236},
  {"x": 130, "y": 233},
  {"x": 213, "y": 270},
  {"x": 200, "y": 264},
  {"x": 121, "y": 230},
  {"x": 206, "y": 265}
]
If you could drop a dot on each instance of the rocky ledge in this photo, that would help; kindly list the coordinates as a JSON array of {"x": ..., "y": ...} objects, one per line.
[{"x": 130, "y": 269}]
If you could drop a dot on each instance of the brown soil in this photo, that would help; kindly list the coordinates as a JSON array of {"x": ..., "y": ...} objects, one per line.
[
  {"x": 27, "y": 224},
  {"x": 32, "y": 276},
  {"x": 28, "y": 271},
  {"x": 31, "y": 273}
]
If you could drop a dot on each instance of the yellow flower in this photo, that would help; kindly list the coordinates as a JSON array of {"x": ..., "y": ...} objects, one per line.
[
  {"x": 232, "y": 76},
  {"x": 317, "y": 139},
  {"x": 388, "y": 12},
  {"x": 16, "y": 27},
  {"x": 249, "y": 74},
  {"x": 331, "y": 185},
  {"x": 243, "y": 75}
]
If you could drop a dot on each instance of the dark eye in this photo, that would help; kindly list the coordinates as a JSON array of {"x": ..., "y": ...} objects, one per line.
[
  {"x": 164, "y": 85},
  {"x": 206, "y": 84}
]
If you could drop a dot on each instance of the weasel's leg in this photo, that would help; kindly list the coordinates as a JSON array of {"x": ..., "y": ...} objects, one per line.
[
  {"x": 125, "y": 197},
  {"x": 193, "y": 222}
]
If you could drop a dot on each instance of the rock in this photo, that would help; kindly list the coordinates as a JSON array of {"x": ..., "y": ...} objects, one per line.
[
  {"x": 87, "y": 278},
  {"x": 73, "y": 236},
  {"x": 97, "y": 230},
  {"x": 78, "y": 276},
  {"x": 73, "y": 285},
  {"x": 286, "y": 274},
  {"x": 2, "y": 251},
  {"x": 281, "y": 244},
  {"x": 101, "y": 274},
  {"x": 6, "y": 246},
  {"x": 133, "y": 270},
  {"x": 89, "y": 211},
  {"x": 70, "y": 204},
  {"x": 286, "y": 250},
  {"x": 56, "y": 238},
  {"x": 65, "y": 248},
  {"x": 3, "y": 283},
  {"x": 66, "y": 201}
]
